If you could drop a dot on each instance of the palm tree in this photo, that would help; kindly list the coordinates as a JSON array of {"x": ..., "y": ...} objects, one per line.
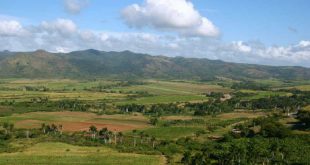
[
  {"x": 110, "y": 133},
  {"x": 103, "y": 133},
  {"x": 120, "y": 135},
  {"x": 60, "y": 128},
  {"x": 93, "y": 130},
  {"x": 43, "y": 128},
  {"x": 141, "y": 136},
  {"x": 27, "y": 134},
  {"x": 115, "y": 138},
  {"x": 153, "y": 139},
  {"x": 8, "y": 127},
  {"x": 54, "y": 128}
]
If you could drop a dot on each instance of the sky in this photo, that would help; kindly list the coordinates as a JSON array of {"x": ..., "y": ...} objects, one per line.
[{"x": 268, "y": 32}]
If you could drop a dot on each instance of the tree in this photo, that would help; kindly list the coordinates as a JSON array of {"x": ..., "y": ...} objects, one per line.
[
  {"x": 141, "y": 136},
  {"x": 104, "y": 133},
  {"x": 54, "y": 128},
  {"x": 8, "y": 127},
  {"x": 304, "y": 116},
  {"x": 153, "y": 139},
  {"x": 43, "y": 128},
  {"x": 186, "y": 159},
  {"x": 154, "y": 121},
  {"x": 60, "y": 128},
  {"x": 271, "y": 128},
  {"x": 93, "y": 130},
  {"x": 120, "y": 136}
]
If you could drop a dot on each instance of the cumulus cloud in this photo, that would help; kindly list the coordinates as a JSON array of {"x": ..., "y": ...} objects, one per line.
[
  {"x": 63, "y": 26},
  {"x": 304, "y": 44},
  {"x": 11, "y": 28},
  {"x": 75, "y": 6},
  {"x": 63, "y": 35},
  {"x": 171, "y": 15},
  {"x": 240, "y": 46}
]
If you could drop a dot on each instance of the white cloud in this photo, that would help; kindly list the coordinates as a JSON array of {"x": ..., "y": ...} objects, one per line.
[
  {"x": 63, "y": 26},
  {"x": 75, "y": 6},
  {"x": 11, "y": 28},
  {"x": 63, "y": 35},
  {"x": 240, "y": 46},
  {"x": 171, "y": 15},
  {"x": 304, "y": 44}
]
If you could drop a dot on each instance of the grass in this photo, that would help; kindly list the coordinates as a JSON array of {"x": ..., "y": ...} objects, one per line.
[
  {"x": 52, "y": 84},
  {"x": 263, "y": 94},
  {"x": 165, "y": 99},
  {"x": 175, "y": 88},
  {"x": 21, "y": 96},
  {"x": 60, "y": 89},
  {"x": 301, "y": 87},
  {"x": 65, "y": 154}
]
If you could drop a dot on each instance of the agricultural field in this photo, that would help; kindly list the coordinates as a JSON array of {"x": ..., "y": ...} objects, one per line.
[
  {"x": 157, "y": 91},
  {"x": 77, "y": 121},
  {"x": 99, "y": 121}
]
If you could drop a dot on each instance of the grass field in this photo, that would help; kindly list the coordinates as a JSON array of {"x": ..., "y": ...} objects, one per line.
[
  {"x": 65, "y": 154},
  {"x": 52, "y": 84},
  {"x": 262, "y": 94},
  {"x": 172, "y": 133},
  {"x": 20, "y": 96},
  {"x": 60, "y": 89},
  {"x": 301, "y": 87},
  {"x": 77, "y": 121},
  {"x": 176, "y": 88},
  {"x": 165, "y": 99}
]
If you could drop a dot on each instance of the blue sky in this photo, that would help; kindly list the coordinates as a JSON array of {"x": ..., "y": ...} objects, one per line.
[{"x": 272, "y": 32}]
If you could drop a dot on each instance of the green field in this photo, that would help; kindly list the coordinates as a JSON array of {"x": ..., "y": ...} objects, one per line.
[
  {"x": 172, "y": 133},
  {"x": 98, "y": 121},
  {"x": 60, "y": 153},
  {"x": 60, "y": 89}
]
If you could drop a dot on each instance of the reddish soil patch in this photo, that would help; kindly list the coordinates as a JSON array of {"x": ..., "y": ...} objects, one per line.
[
  {"x": 28, "y": 123},
  {"x": 84, "y": 126},
  {"x": 78, "y": 126},
  {"x": 233, "y": 115}
]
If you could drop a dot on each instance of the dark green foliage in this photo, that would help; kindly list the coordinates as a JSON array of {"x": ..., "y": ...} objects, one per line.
[
  {"x": 292, "y": 150},
  {"x": 209, "y": 108},
  {"x": 271, "y": 128},
  {"x": 304, "y": 117},
  {"x": 285, "y": 103},
  {"x": 154, "y": 121},
  {"x": 132, "y": 108}
]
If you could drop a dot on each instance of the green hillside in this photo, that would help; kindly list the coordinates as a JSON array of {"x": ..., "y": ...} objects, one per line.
[{"x": 126, "y": 64}]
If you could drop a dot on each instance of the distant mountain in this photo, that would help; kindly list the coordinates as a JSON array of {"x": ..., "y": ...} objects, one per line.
[{"x": 126, "y": 64}]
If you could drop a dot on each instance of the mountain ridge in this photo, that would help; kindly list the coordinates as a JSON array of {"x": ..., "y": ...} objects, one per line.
[{"x": 127, "y": 64}]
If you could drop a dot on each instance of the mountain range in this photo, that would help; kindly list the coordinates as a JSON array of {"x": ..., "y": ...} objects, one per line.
[{"x": 126, "y": 64}]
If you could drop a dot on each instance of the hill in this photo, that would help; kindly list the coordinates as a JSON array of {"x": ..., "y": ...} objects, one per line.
[{"x": 126, "y": 64}]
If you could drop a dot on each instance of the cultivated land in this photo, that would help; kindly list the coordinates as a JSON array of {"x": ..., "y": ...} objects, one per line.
[
  {"x": 148, "y": 121},
  {"x": 77, "y": 121}
]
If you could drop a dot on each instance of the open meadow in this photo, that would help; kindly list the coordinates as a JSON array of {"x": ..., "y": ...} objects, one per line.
[{"x": 65, "y": 154}]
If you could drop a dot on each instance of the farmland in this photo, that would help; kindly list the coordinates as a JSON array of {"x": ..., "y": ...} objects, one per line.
[{"x": 101, "y": 121}]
